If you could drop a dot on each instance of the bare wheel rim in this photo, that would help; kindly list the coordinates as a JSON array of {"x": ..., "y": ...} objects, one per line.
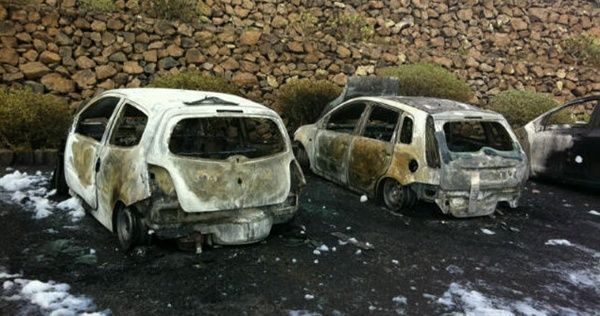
[
  {"x": 125, "y": 226},
  {"x": 393, "y": 194}
]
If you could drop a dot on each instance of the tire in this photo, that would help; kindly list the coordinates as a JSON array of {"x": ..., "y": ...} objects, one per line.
[
  {"x": 302, "y": 157},
  {"x": 130, "y": 229},
  {"x": 58, "y": 176},
  {"x": 396, "y": 197}
]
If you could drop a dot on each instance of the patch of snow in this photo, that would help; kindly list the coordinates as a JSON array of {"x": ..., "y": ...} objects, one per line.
[
  {"x": 74, "y": 207},
  {"x": 487, "y": 231},
  {"x": 302, "y": 312},
  {"x": 323, "y": 248},
  {"x": 51, "y": 297},
  {"x": 363, "y": 198},
  {"x": 558, "y": 242},
  {"x": 594, "y": 212},
  {"x": 400, "y": 300},
  {"x": 17, "y": 181}
]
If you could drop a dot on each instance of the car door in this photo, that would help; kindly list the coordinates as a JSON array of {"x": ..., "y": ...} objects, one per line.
[
  {"x": 333, "y": 140},
  {"x": 371, "y": 150},
  {"x": 83, "y": 146},
  {"x": 121, "y": 173},
  {"x": 560, "y": 146}
]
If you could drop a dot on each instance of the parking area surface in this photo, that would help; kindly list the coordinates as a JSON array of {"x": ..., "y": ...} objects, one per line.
[{"x": 339, "y": 256}]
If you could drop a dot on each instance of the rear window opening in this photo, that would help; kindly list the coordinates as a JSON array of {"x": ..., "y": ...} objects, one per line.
[
  {"x": 471, "y": 136},
  {"x": 222, "y": 137}
]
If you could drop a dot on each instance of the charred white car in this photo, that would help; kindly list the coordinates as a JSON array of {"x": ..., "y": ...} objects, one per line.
[
  {"x": 402, "y": 149},
  {"x": 180, "y": 163}
]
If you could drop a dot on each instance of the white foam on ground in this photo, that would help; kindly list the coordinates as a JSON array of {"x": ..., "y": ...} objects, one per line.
[
  {"x": 558, "y": 242},
  {"x": 487, "y": 231},
  {"x": 51, "y": 297},
  {"x": 74, "y": 207},
  {"x": 302, "y": 312},
  {"x": 465, "y": 300},
  {"x": 594, "y": 212},
  {"x": 30, "y": 191}
]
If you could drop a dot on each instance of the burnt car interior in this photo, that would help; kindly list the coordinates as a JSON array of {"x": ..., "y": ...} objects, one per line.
[
  {"x": 130, "y": 127},
  {"x": 344, "y": 120},
  {"x": 222, "y": 137},
  {"x": 92, "y": 122},
  {"x": 381, "y": 124},
  {"x": 472, "y": 136}
]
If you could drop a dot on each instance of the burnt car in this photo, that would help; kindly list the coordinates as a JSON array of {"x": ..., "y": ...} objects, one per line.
[
  {"x": 180, "y": 163},
  {"x": 404, "y": 149},
  {"x": 564, "y": 143}
]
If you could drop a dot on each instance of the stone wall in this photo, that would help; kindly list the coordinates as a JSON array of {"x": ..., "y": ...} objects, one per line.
[{"x": 493, "y": 44}]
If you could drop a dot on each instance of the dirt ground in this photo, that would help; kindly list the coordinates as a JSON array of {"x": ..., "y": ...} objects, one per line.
[{"x": 542, "y": 258}]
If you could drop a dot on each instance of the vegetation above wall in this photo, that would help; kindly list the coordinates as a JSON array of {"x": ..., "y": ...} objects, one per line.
[{"x": 429, "y": 80}]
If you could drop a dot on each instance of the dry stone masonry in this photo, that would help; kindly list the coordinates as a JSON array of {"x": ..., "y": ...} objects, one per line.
[{"x": 54, "y": 46}]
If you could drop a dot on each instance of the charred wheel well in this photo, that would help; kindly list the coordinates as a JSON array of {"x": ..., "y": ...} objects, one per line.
[
  {"x": 119, "y": 205},
  {"x": 379, "y": 186}
]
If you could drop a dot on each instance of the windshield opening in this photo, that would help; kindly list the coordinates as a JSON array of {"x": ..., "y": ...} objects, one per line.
[
  {"x": 471, "y": 136},
  {"x": 222, "y": 137}
]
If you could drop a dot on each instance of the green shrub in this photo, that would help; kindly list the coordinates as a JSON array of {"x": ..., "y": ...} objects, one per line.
[
  {"x": 429, "y": 80},
  {"x": 98, "y": 5},
  {"x": 30, "y": 120},
  {"x": 352, "y": 28},
  {"x": 183, "y": 10},
  {"x": 520, "y": 107},
  {"x": 584, "y": 47},
  {"x": 301, "y": 101},
  {"x": 194, "y": 80}
]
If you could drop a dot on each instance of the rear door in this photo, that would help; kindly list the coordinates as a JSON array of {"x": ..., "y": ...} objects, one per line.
[
  {"x": 228, "y": 161},
  {"x": 83, "y": 147},
  {"x": 334, "y": 138},
  {"x": 371, "y": 150}
]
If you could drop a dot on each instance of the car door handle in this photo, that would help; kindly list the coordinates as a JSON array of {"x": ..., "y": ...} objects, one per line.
[{"x": 97, "y": 165}]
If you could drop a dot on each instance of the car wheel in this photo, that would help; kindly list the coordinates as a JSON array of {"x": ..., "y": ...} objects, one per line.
[
  {"x": 397, "y": 197},
  {"x": 130, "y": 229},
  {"x": 302, "y": 157}
]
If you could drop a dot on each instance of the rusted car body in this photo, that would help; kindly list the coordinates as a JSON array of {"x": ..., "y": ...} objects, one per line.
[
  {"x": 402, "y": 149},
  {"x": 177, "y": 162},
  {"x": 564, "y": 143}
]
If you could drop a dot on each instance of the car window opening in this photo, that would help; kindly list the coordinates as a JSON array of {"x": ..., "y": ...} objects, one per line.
[
  {"x": 345, "y": 119},
  {"x": 473, "y": 136},
  {"x": 222, "y": 137},
  {"x": 130, "y": 128},
  {"x": 381, "y": 124},
  {"x": 93, "y": 120}
]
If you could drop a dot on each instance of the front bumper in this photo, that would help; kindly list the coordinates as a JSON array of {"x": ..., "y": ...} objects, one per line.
[
  {"x": 228, "y": 227},
  {"x": 476, "y": 202}
]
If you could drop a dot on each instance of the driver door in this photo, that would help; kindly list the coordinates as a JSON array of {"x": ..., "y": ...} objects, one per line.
[{"x": 83, "y": 147}]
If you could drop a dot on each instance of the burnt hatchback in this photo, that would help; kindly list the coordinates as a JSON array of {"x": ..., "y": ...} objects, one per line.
[
  {"x": 180, "y": 163},
  {"x": 404, "y": 149}
]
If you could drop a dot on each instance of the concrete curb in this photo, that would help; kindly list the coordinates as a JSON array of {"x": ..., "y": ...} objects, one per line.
[{"x": 38, "y": 157}]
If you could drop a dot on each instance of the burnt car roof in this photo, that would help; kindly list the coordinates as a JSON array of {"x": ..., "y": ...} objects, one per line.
[
  {"x": 434, "y": 105},
  {"x": 162, "y": 99}
]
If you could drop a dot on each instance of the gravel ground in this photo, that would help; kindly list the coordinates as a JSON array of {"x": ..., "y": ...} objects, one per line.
[{"x": 541, "y": 258}]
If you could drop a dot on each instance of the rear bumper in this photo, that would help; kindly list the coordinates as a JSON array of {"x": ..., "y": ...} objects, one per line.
[
  {"x": 476, "y": 203},
  {"x": 229, "y": 227}
]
